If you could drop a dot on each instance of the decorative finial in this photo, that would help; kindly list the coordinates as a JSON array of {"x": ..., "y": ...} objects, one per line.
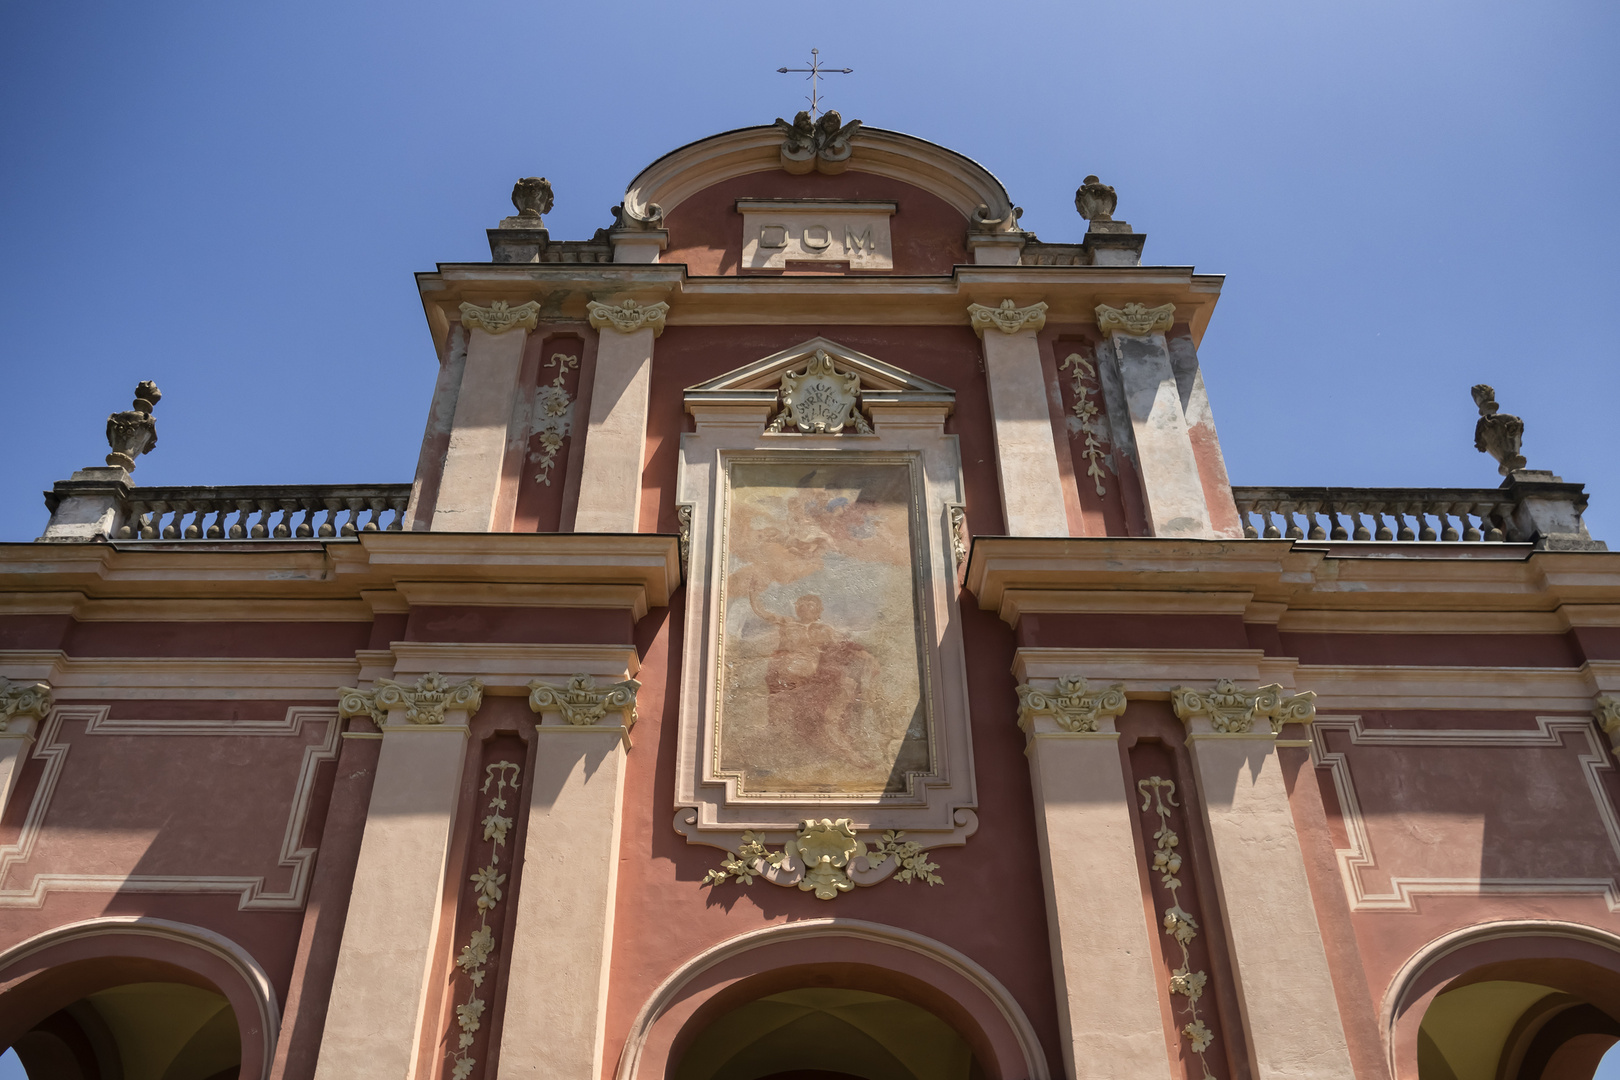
[
  {"x": 1095, "y": 200},
  {"x": 532, "y": 197},
  {"x": 1498, "y": 434},
  {"x": 134, "y": 432}
]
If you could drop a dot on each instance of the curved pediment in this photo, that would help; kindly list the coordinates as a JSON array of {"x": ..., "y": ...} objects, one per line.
[{"x": 958, "y": 180}]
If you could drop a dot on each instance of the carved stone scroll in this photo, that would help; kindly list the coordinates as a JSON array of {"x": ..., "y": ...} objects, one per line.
[
  {"x": 628, "y": 317},
  {"x": 424, "y": 703},
  {"x": 820, "y": 400},
  {"x": 500, "y": 316},
  {"x": 1071, "y": 703},
  {"x": 1009, "y": 318},
  {"x": 1135, "y": 319},
  {"x": 1232, "y": 710},
  {"x": 583, "y": 703},
  {"x": 22, "y": 700}
]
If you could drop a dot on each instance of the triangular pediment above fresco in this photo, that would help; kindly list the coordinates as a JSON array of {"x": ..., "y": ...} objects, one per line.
[{"x": 764, "y": 376}]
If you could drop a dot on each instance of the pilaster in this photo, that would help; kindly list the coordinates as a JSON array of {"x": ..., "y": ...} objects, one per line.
[
  {"x": 373, "y": 1024},
  {"x": 1158, "y": 435},
  {"x": 470, "y": 486},
  {"x": 563, "y": 930},
  {"x": 1026, "y": 450},
  {"x": 1109, "y": 1009},
  {"x": 616, "y": 436},
  {"x": 1284, "y": 984}
]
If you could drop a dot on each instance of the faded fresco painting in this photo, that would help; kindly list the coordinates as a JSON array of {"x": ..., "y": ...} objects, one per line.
[{"x": 822, "y": 669}]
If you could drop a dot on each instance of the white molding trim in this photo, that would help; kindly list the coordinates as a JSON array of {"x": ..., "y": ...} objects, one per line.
[
  {"x": 669, "y": 991},
  {"x": 254, "y": 896},
  {"x": 178, "y": 678},
  {"x": 683, "y": 172},
  {"x": 197, "y": 937},
  {"x": 1549, "y": 734}
]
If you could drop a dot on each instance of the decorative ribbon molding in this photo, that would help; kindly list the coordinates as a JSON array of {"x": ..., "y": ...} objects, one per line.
[
  {"x": 583, "y": 703},
  {"x": 425, "y": 703},
  {"x": 629, "y": 316},
  {"x": 481, "y": 944},
  {"x": 1135, "y": 319},
  {"x": 1071, "y": 703},
  {"x": 1008, "y": 318},
  {"x": 500, "y": 317},
  {"x": 1232, "y": 710},
  {"x": 21, "y": 700},
  {"x": 825, "y": 857},
  {"x": 1156, "y": 790}
]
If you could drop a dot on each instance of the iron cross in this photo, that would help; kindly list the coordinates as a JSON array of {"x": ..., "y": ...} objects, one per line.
[{"x": 816, "y": 71}]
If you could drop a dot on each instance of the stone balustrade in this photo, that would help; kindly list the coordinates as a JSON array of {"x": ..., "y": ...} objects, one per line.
[
  {"x": 1513, "y": 513},
  {"x": 266, "y": 512}
]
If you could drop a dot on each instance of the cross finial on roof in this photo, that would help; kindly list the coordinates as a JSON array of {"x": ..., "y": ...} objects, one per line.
[{"x": 815, "y": 72}]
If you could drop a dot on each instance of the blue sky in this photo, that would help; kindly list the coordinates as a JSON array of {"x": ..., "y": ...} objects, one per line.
[{"x": 231, "y": 199}]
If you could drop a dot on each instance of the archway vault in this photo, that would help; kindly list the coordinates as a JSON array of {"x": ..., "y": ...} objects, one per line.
[{"x": 851, "y": 953}]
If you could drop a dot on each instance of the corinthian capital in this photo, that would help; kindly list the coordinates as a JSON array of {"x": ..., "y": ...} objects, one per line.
[
  {"x": 1008, "y": 318},
  {"x": 424, "y": 703},
  {"x": 500, "y": 316},
  {"x": 1071, "y": 703},
  {"x": 629, "y": 316},
  {"x": 1135, "y": 319},
  {"x": 583, "y": 703},
  {"x": 18, "y": 700},
  {"x": 1232, "y": 710}
]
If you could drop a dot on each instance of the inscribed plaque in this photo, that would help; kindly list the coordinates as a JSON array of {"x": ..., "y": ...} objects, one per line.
[{"x": 823, "y": 670}]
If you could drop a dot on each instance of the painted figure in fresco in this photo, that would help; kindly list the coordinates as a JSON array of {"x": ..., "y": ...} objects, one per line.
[{"x": 816, "y": 679}]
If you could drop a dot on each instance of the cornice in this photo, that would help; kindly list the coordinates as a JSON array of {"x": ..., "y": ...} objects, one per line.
[{"x": 339, "y": 580}]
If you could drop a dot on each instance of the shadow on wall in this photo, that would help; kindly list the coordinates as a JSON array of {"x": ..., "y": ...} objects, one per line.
[{"x": 137, "y": 1031}]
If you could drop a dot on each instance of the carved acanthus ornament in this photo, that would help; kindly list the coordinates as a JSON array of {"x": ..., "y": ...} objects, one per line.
[
  {"x": 1157, "y": 791},
  {"x": 1498, "y": 434},
  {"x": 628, "y": 317},
  {"x": 820, "y": 145},
  {"x": 1232, "y": 710},
  {"x": 500, "y": 316},
  {"x": 583, "y": 703},
  {"x": 1135, "y": 319},
  {"x": 553, "y": 416},
  {"x": 1009, "y": 318},
  {"x": 481, "y": 944},
  {"x": 1087, "y": 416},
  {"x": 22, "y": 700},
  {"x": 820, "y": 400},
  {"x": 133, "y": 432},
  {"x": 424, "y": 703},
  {"x": 1071, "y": 703},
  {"x": 825, "y": 857},
  {"x": 1607, "y": 710}
]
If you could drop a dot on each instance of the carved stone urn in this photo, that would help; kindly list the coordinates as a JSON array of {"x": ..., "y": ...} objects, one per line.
[
  {"x": 133, "y": 432},
  {"x": 1497, "y": 433},
  {"x": 532, "y": 197},
  {"x": 1095, "y": 200}
]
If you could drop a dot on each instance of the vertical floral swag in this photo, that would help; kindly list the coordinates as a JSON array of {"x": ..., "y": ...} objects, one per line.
[
  {"x": 1156, "y": 791},
  {"x": 488, "y": 881},
  {"x": 553, "y": 416},
  {"x": 1087, "y": 416}
]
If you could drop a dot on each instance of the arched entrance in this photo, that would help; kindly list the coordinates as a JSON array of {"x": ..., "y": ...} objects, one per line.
[
  {"x": 828, "y": 998},
  {"x": 1522, "y": 1000},
  {"x": 136, "y": 999}
]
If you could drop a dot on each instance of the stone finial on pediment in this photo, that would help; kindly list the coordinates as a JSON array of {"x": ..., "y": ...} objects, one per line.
[
  {"x": 628, "y": 317},
  {"x": 1497, "y": 433},
  {"x": 1095, "y": 200},
  {"x": 821, "y": 145},
  {"x": 820, "y": 400},
  {"x": 1233, "y": 710},
  {"x": 424, "y": 702},
  {"x": 1009, "y": 318},
  {"x": 133, "y": 432},
  {"x": 1135, "y": 319},
  {"x": 1072, "y": 703},
  {"x": 583, "y": 703},
  {"x": 500, "y": 316},
  {"x": 533, "y": 198},
  {"x": 23, "y": 701}
]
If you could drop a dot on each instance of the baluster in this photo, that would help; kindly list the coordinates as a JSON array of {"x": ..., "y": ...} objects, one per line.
[
  {"x": 133, "y": 521},
  {"x": 1405, "y": 531},
  {"x": 261, "y": 528},
  {"x": 329, "y": 526},
  {"x": 238, "y": 529},
  {"x": 1293, "y": 532},
  {"x": 1448, "y": 530},
  {"x": 306, "y": 527},
  {"x": 1271, "y": 532},
  {"x": 193, "y": 531},
  {"x": 400, "y": 502},
  {"x": 1339, "y": 531},
  {"x": 377, "y": 505},
  {"x": 1384, "y": 531},
  {"x": 176, "y": 511},
  {"x": 1493, "y": 516},
  {"x": 1361, "y": 532},
  {"x": 1312, "y": 508},
  {"x": 1425, "y": 530},
  {"x": 287, "y": 508},
  {"x": 216, "y": 531},
  {"x": 1471, "y": 532},
  {"x": 1245, "y": 511},
  {"x": 356, "y": 507}
]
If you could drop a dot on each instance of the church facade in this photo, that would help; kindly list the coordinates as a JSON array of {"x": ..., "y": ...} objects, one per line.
[{"x": 820, "y": 639}]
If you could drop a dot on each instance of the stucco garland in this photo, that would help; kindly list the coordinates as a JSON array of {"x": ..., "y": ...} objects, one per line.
[{"x": 669, "y": 992}]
